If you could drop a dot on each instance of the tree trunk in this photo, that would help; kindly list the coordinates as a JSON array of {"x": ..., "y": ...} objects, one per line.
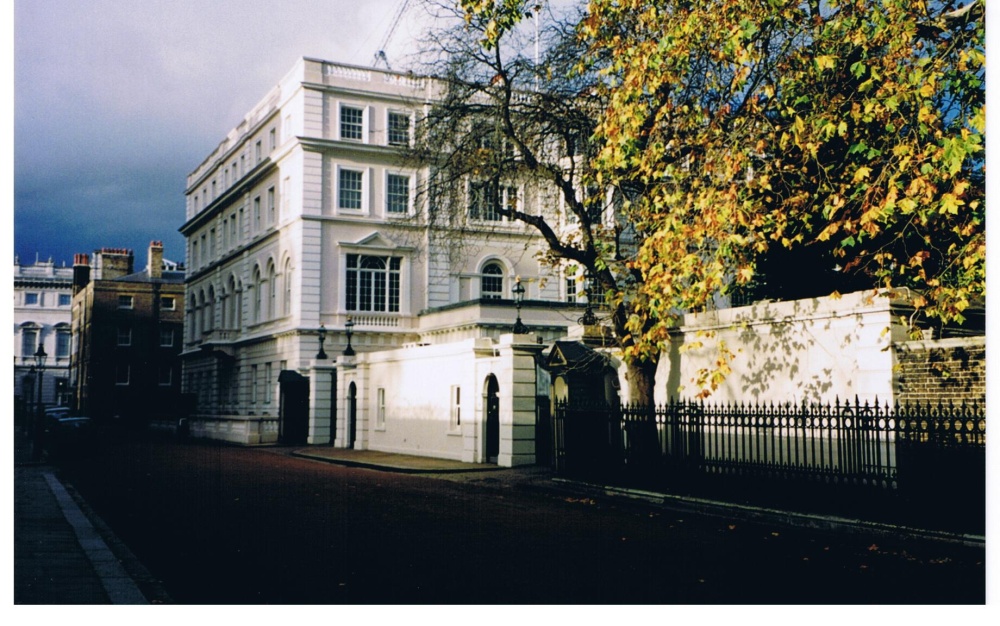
[{"x": 641, "y": 377}]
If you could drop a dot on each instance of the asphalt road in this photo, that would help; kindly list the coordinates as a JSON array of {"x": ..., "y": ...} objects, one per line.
[{"x": 228, "y": 525}]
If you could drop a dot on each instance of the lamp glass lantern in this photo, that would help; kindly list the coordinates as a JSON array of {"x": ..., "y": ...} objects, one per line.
[
  {"x": 518, "y": 290},
  {"x": 349, "y": 330},
  {"x": 322, "y": 338}
]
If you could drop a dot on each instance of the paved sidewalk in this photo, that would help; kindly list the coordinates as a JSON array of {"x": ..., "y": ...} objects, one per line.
[
  {"x": 60, "y": 557},
  {"x": 387, "y": 461}
]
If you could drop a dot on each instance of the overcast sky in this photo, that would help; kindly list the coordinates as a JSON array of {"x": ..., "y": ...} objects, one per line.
[{"x": 116, "y": 101}]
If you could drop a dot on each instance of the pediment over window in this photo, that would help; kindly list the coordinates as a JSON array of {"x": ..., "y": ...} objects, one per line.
[{"x": 374, "y": 242}]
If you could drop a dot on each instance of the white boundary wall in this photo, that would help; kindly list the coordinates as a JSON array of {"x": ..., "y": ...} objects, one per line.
[
  {"x": 811, "y": 350},
  {"x": 418, "y": 384}
]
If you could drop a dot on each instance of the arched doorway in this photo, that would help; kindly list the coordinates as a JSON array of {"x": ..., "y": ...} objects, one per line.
[
  {"x": 352, "y": 414},
  {"x": 293, "y": 408},
  {"x": 491, "y": 402}
]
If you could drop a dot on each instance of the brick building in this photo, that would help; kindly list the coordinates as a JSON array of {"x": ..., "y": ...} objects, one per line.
[{"x": 127, "y": 328}]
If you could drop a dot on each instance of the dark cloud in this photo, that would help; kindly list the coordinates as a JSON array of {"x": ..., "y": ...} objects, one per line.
[{"x": 116, "y": 101}]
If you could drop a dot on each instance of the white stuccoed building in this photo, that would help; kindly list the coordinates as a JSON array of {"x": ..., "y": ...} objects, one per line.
[
  {"x": 305, "y": 217},
  {"x": 42, "y": 297}
]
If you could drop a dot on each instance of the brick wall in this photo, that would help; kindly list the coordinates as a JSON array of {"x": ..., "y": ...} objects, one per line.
[{"x": 949, "y": 370}]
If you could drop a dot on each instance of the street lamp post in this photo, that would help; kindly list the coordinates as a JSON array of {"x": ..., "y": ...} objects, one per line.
[
  {"x": 589, "y": 319},
  {"x": 322, "y": 337},
  {"x": 29, "y": 402},
  {"x": 349, "y": 329},
  {"x": 518, "y": 289},
  {"x": 36, "y": 448}
]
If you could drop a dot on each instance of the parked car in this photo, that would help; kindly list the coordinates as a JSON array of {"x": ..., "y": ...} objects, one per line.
[
  {"x": 57, "y": 412},
  {"x": 69, "y": 436}
]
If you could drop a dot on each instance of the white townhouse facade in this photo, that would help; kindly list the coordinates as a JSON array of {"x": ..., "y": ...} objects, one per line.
[
  {"x": 305, "y": 222},
  {"x": 43, "y": 295}
]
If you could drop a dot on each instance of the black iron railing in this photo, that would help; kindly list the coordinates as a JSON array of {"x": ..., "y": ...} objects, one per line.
[{"x": 914, "y": 453}]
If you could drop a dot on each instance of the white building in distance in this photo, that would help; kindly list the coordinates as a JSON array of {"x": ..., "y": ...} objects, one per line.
[
  {"x": 43, "y": 295},
  {"x": 305, "y": 220}
]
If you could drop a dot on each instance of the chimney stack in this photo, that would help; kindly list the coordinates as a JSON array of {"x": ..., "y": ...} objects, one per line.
[
  {"x": 113, "y": 263},
  {"x": 155, "y": 267},
  {"x": 81, "y": 272}
]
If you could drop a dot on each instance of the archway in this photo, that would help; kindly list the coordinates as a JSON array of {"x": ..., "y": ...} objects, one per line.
[
  {"x": 491, "y": 402},
  {"x": 352, "y": 415},
  {"x": 293, "y": 408}
]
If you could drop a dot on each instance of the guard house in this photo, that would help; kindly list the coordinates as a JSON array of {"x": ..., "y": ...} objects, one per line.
[{"x": 582, "y": 374}]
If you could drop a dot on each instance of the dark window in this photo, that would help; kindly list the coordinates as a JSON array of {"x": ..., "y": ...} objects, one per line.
[
  {"x": 351, "y": 123},
  {"x": 373, "y": 283},
  {"x": 350, "y": 189},
  {"x": 492, "y": 286},
  {"x": 399, "y": 129},
  {"x": 397, "y": 194}
]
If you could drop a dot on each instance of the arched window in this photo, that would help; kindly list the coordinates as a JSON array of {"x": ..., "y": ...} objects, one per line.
[
  {"x": 210, "y": 310},
  {"x": 224, "y": 297},
  {"x": 492, "y": 281},
  {"x": 238, "y": 305},
  {"x": 373, "y": 283},
  {"x": 257, "y": 287},
  {"x": 199, "y": 315},
  {"x": 63, "y": 340},
  {"x": 286, "y": 306},
  {"x": 29, "y": 340},
  {"x": 271, "y": 291},
  {"x": 233, "y": 304}
]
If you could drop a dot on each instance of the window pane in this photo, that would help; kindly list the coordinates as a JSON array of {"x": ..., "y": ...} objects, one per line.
[
  {"x": 65, "y": 299},
  {"x": 351, "y": 123},
  {"x": 397, "y": 194},
  {"x": 372, "y": 283},
  {"x": 492, "y": 285},
  {"x": 62, "y": 344},
  {"x": 350, "y": 189},
  {"x": 399, "y": 129},
  {"x": 31, "y": 298},
  {"x": 29, "y": 342}
]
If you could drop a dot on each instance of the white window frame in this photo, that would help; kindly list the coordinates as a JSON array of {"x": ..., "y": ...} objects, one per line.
[
  {"x": 128, "y": 374},
  {"x": 455, "y": 412},
  {"x": 364, "y": 122},
  {"x": 388, "y": 126},
  {"x": 126, "y": 304},
  {"x": 169, "y": 378},
  {"x": 364, "y": 172},
  {"x": 123, "y": 337},
  {"x": 364, "y": 287},
  {"x": 63, "y": 334},
  {"x": 268, "y": 373},
  {"x": 168, "y": 303},
  {"x": 380, "y": 408},
  {"x": 505, "y": 190},
  {"x": 170, "y": 336},
  {"x": 494, "y": 295},
  {"x": 409, "y": 193},
  {"x": 28, "y": 348},
  {"x": 254, "y": 386}
]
